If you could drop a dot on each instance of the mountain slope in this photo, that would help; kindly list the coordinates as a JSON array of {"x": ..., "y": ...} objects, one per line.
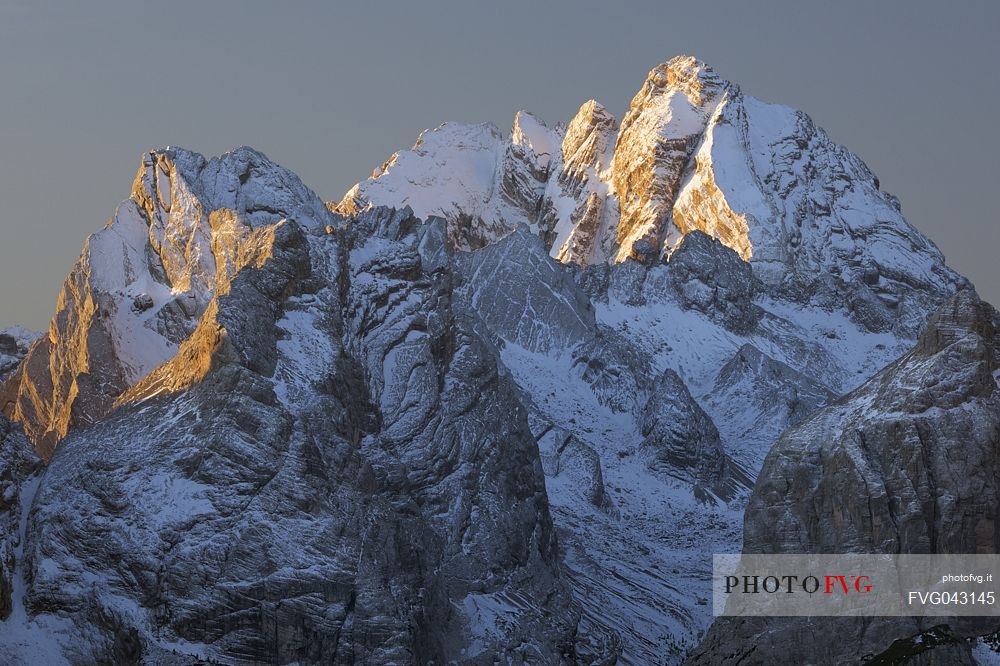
[
  {"x": 338, "y": 454},
  {"x": 506, "y": 397},
  {"x": 693, "y": 153},
  {"x": 141, "y": 283},
  {"x": 907, "y": 463}
]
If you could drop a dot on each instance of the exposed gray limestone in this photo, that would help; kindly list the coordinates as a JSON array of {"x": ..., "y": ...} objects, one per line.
[
  {"x": 323, "y": 507},
  {"x": 907, "y": 463}
]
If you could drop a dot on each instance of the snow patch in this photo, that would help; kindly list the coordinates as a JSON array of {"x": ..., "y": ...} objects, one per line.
[
  {"x": 486, "y": 615},
  {"x": 985, "y": 654}
]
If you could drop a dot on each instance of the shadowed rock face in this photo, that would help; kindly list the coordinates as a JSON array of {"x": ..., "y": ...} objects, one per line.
[
  {"x": 918, "y": 440},
  {"x": 710, "y": 278},
  {"x": 597, "y": 403},
  {"x": 348, "y": 452},
  {"x": 680, "y": 438},
  {"x": 907, "y": 463},
  {"x": 18, "y": 464},
  {"x": 525, "y": 168},
  {"x": 14, "y": 344},
  {"x": 525, "y": 300},
  {"x": 331, "y": 467}
]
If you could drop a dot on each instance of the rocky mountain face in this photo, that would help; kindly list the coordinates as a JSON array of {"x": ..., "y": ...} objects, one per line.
[
  {"x": 693, "y": 153},
  {"x": 907, "y": 463},
  {"x": 18, "y": 467},
  {"x": 331, "y": 465},
  {"x": 142, "y": 283},
  {"x": 503, "y": 400},
  {"x": 351, "y": 477}
]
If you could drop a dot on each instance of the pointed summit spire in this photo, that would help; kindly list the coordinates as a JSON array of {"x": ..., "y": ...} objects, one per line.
[{"x": 697, "y": 80}]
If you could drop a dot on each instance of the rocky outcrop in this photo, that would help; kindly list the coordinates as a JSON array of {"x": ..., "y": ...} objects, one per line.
[
  {"x": 19, "y": 467},
  {"x": 589, "y": 138},
  {"x": 756, "y": 397},
  {"x": 525, "y": 167},
  {"x": 907, "y": 463},
  {"x": 524, "y": 297},
  {"x": 586, "y": 154},
  {"x": 188, "y": 227},
  {"x": 328, "y": 461},
  {"x": 693, "y": 154},
  {"x": 709, "y": 277},
  {"x": 14, "y": 344},
  {"x": 917, "y": 441},
  {"x": 664, "y": 123},
  {"x": 679, "y": 437},
  {"x": 349, "y": 475}
]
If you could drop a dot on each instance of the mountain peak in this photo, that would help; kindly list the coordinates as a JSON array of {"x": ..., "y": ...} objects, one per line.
[
  {"x": 142, "y": 284},
  {"x": 587, "y": 139},
  {"x": 243, "y": 180},
  {"x": 592, "y": 108},
  {"x": 636, "y": 311},
  {"x": 697, "y": 80},
  {"x": 531, "y": 132},
  {"x": 693, "y": 153}
]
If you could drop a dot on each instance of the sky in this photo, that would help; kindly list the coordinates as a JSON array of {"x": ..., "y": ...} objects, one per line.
[{"x": 330, "y": 91}]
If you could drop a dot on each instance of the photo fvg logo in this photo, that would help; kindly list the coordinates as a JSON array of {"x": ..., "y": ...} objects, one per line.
[
  {"x": 789, "y": 584},
  {"x": 855, "y": 584}
]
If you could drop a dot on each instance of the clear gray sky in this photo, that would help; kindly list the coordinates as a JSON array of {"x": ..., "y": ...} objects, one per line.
[{"x": 330, "y": 91}]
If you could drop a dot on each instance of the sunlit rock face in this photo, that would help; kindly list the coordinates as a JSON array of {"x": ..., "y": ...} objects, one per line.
[
  {"x": 141, "y": 284},
  {"x": 664, "y": 124},
  {"x": 512, "y": 411},
  {"x": 693, "y": 153},
  {"x": 579, "y": 188}
]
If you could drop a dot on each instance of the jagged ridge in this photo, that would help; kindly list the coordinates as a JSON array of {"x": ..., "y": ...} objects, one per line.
[{"x": 275, "y": 369}]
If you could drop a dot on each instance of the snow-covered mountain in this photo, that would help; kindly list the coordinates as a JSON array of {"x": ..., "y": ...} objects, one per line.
[
  {"x": 505, "y": 398},
  {"x": 906, "y": 463},
  {"x": 693, "y": 153}
]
